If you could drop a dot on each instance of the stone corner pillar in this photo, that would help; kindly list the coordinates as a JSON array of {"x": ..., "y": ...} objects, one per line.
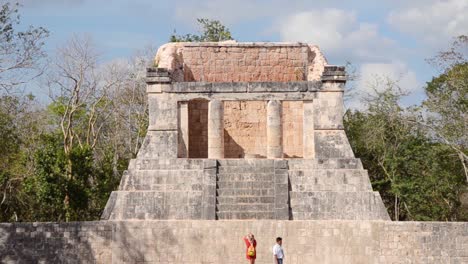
[
  {"x": 274, "y": 130},
  {"x": 157, "y": 80},
  {"x": 329, "y": 108},
  {"x": 334, "y": 76},
  {"x": 215, "y": 129}
]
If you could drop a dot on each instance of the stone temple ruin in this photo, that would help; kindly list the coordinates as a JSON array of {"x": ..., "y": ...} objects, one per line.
[
  {"x": 245, "y": 131},
  {"x": 242, "y": 137}
]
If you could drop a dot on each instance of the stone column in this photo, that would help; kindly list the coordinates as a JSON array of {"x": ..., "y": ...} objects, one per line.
[
  {"x": 183, "y": 131},
  {"x": 308, "y": 130},
  {"x": 215, "y": 129},
  {"x": 274, "y": 130}
]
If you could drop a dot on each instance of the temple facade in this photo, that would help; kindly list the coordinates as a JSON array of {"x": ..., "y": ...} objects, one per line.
[{"x": 245, "y": 131}]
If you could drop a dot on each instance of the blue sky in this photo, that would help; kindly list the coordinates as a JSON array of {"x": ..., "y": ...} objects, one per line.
[{"x": 387, "y": 38}]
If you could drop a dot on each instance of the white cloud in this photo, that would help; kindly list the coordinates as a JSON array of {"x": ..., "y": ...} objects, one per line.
[
  {"x": 373, "y": 76},
  {"x": 396, "y": 71},
  {"x": 339, "y": 34},
  {"x": 434, "y": 22},
  {"x": 326, "y": 28}
]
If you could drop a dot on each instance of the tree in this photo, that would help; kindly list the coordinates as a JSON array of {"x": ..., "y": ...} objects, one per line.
[
  {"x": 20, "y": 51},
  {"x": 447, "y": 100},
  {"x": 21, "y": 122},
  {"x": 99, "y": 114},
  {"x": 80, "y": 101},
  {"x": 418, "y": 177},
  {"x": 211, "y": 31}
]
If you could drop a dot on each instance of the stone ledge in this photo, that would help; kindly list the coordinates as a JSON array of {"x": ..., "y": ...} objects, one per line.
[
  {"x": 245, "y": 44},
  {"x": 242, "y": 87},
  {"x": 336, "y": 78}
]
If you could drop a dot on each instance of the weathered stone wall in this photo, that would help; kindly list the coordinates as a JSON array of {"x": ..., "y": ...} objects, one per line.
[
  {"x": 214, "y": 242},
  {"x": 245, "y": 129},
  {"x": 198, "y": 128},
  {"x": 241, "y": 62},
  {"x": 292, "y": 119},
  {"x": 245, "y": 63},
  {"x": 77, "y": 242}
]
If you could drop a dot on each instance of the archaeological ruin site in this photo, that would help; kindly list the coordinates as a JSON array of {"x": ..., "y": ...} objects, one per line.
[{"x": 242, "y": 137}]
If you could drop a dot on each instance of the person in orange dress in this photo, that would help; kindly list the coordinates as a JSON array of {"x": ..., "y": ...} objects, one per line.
[{"x": 249, "y": 240}]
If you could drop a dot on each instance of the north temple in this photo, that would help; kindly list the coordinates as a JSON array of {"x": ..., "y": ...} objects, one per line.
[{"x": 242, "y": 137}]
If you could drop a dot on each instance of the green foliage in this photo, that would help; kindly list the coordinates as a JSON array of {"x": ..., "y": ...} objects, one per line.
[
  {"x": 211, "y": 31},
  {"x": 418, "y": 178},
  {"x": 46, "y": 187},
  {"x": 49, "y": 184},
  {"x": 88, "y": 189}
]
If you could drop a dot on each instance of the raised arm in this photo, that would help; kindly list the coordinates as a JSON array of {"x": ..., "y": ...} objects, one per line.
[{"x": 246, "y": 240}]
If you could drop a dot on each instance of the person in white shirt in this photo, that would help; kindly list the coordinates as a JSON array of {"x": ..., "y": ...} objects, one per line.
[{"x": 278, "y": 252}]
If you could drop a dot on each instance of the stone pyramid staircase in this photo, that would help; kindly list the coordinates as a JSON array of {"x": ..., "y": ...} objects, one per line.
[
  {"x": 294, "y": 189},
  {"x": 164, "y": 189},
  {"x": 326, "y": 189},
  {"x": 251, "y": 189}
]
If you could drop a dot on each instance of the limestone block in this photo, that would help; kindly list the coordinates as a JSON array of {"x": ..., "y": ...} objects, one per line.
[
  {"x": 162, "y": 112},
  {"x": 155, "y": 205},
  {"x": 299, "y": 86},
  {"x": 159, "y": 144},
  {"x": 168, "y": 164},
  {"x": 332, "y": 144},
  {"x": 323, "y": 205},
  {"x": 229, "y": 87},
  {"x": 308, "y": 130},
  {"x": 345, "y": 180},
  {"x": 325, "y": 163},
  {"x": 328, "y": 110}
]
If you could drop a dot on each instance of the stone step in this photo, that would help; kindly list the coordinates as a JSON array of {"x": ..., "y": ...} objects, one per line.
[
  {"x": 337, "y": 205},
  {"x": 342, "y": 163},
  {"x": 245, "y": 199},
  {"x": 170, "y": 164},
  {"x": 246, "y": 163},
  {"x": 245, "y": 192},
  {"x": 230, "y": 177},
  {"x": 245, "y": 215},
  {"x": 329, "y": 188},
  {"x": 241, "y": 207},
  {"x": 245, "y": 169},
  {"x": 330, "y": 180},
  {"x": 252, "y": 185},
  {"x": 126, "y": 205},
  {"x": 162, "y": 180}
]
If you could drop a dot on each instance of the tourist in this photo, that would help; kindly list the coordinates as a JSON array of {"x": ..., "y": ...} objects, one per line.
[
  {"x": 278, "y": 252},
  {"x": 251, "y": 245}
]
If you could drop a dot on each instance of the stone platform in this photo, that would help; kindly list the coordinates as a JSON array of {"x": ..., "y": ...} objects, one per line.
[
  {"x": 242, "y": 137},
  {"x": 283, "y": 189},
  {"x": 220, "y": 242}
]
